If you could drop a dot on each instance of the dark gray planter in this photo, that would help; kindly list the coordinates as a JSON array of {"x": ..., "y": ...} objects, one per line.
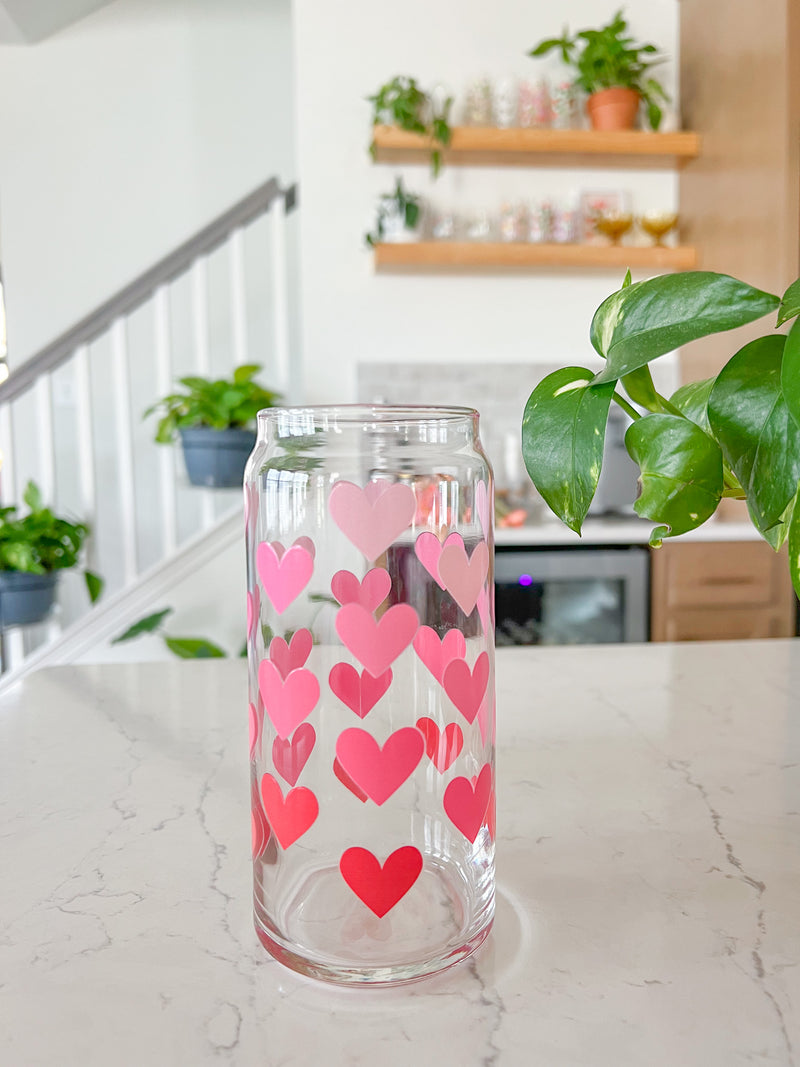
[
  {"x": 25, "y": 598},
  {"x": 216, "y": 458}
]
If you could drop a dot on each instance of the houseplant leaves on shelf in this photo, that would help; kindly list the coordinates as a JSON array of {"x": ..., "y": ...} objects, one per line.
[
  {"x": 215, "y": 421},
  {"x": 397, "y": 217},
  {"x": 34, "y": 548},
  {"x": 613, "y": 70},
  {"x": 400, "y": 102},
  {"x": 736, "y": 435}
]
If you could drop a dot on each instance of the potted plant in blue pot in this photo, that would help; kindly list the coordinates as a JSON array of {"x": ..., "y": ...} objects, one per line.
[
  {"x": 215, "y": 422},
  {"x": 34, "y": 549}
]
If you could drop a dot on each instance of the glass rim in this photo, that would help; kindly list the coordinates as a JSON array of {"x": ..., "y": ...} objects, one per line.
[{"x": 385, "y": 413}]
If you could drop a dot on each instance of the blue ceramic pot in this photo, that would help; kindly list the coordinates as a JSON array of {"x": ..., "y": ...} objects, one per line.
[
  {"x": 216, "y": 458},
  {"x": 25, "y": 598}
]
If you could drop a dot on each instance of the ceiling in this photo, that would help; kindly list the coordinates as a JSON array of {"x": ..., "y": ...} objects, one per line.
[{"x": 28, "y": 21}]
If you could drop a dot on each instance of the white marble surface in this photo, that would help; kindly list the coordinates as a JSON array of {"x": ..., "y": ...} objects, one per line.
[
  {"x": 608, "y": 530},
  {"x": 649, "y": 875}
]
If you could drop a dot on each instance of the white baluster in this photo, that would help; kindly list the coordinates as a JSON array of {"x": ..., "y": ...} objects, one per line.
[
  {"x": 44, "y": 431},
  {"x": 238, "y": 297},
  {"x": 281, "y": 373},
  {"x": 166, "y": 456},
  {"x": 13, "y": 648},
  {"x": 202, "y": 359},
  {"x": 85, "y": 430},
  {"x": 122, "y": 413},
  {"x": 8, "y": 481}
]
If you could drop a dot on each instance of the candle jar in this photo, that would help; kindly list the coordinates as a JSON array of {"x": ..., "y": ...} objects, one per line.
[{"x": 371, "y": 676}]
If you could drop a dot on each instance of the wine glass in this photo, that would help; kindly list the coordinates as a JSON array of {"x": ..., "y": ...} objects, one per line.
[
  {"x": 657, "y": 224},
  {"x": 614, "y": 225}
]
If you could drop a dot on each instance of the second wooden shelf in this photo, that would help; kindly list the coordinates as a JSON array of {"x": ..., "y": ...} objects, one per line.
[{"x": 441, "y": 256}]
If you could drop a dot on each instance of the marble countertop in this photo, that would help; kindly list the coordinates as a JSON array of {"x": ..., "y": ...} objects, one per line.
[
  {"x": 615, "y": 530},
  {"x": 648, "y": 874}
]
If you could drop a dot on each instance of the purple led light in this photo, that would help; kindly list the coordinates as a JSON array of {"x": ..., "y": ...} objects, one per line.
[{"x": 525, "y": 579}]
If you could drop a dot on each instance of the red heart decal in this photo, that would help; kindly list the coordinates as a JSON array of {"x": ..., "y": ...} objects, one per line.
[
  {"x": 466, "y": 804},
  {"x": 290, "y": 757},
  {"x": 360, "y": 692},
  {"x": 442, "y": 748},
  {"x": 348, "y": 782},
  {"x": 436, "y": 654},
  {"x": 380, "y": 888},
  {"x": 290, "y": 816},
  {"x": 379, "y": 771},
  {"x": 290, "y": 657},
  {"x": 376, "y": 645},
  {"x": 287, "y": 701},
  {"x": 467, "y": 688},
  {"x": 370, "y": 592},
  {"x": 372, "y": 518},
  {"x": 284, "y": 574},
  {"x": 464, "y": 578}
]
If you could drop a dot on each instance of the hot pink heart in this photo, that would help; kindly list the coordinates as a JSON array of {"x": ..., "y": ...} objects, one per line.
[
  {"x": 466, "y": 803},
  {"x": 372, "y": 518},
  {"x": 379, "y": 771},
  {"x": 436, "y": 654},
  {"x": 380, "y": 888},
  {"x": 360, "y": 692},
  {"x": 464, "y": 687},
  {"x": 428, "y": 548},
  {"x": 442, "y": 747},
  {"x": 290, "y": 757},
  {"x": 287, "y": 701},
  {"x": 290, "y": 657},
  {"x": 464, "y": 578},
  {"x": 370, "y": 592},
  {"x": 255, "y": 728},
  {"x": 284, "y": 574},
  {"x": 376, "y": 644},
  {"x": 348, "y": 782},
  {"x": 290, "y": 816}
]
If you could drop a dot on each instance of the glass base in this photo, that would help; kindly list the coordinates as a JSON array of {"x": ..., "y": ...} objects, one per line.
[{"x": 328, "y": 933}]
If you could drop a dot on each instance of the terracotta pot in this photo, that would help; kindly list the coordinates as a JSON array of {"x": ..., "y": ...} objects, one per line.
[{"x": 613, "y": 109}]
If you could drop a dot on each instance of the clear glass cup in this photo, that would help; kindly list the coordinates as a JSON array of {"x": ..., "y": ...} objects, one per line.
[{"x": 371, "y": 670}]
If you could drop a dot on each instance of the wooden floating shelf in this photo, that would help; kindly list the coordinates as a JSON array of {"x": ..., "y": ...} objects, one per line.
[
  {"x": 457, "y": 256},
  {"x": 488, "y": 145}
]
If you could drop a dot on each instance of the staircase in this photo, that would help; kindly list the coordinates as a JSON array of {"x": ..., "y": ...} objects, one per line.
[{"x": 70, "y": 417}]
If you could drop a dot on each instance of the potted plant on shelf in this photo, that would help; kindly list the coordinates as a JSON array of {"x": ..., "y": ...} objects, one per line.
[
  {"x": 736, "y": 435},
  {"x": 34, "y": 548},
  {"x": 215, "y": 422},
  {"x": 614, "y": 71},
  {"x": 401, "y": 102},
  {"x": 398, "y": 218}
]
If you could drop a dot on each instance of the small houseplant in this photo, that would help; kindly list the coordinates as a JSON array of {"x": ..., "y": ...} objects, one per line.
[
  {"x": 214, "y": 420},
  {"x": 397, "y": 218},
  {"x": 400, "y": 102},
  {"x": 613, "y": 70},
  {"x": 34, "y": 548},
  {"x": 736, "y": 435}
]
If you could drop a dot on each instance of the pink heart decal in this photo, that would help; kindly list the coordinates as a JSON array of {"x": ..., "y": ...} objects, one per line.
[
  {"x": 287, "y": 701},
  {"x": 291, "y": 657},
  {"x": 376, "y": 645},
  {"x": 251, "y": 613},
  {"x": 467, "y": 688},
  {"x": 291, "y": 756},
  {"x": 428, "y": 548},
  {"x": 284, "y": 574},
  {"x": 290, "y": 816},
  {"x": 373, "y": 517},
  {"x": 484, "y": 507},
  {"x": 255, "y": 728},
  {"x": 442, "y": 748},
  {"x": 258, "y": 822},
  {"x": 348, "y": 782},
  {"x": 370, "y": 592},
  {"x": 380, "y": 771},
  {"x": 466, "y": 803},
  {"x": 380, "y": 888},
  {"x": 436, "y": 654},
  {"x": 360, "y": 692},
  {"x": 485, "y": 611},
  {"x": 464, "y": 578}
]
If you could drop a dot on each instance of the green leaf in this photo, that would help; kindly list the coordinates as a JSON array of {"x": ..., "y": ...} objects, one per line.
[
  {"x": 692, "y": 402},
  {"x": 193, "y": 648},
  {"x": 627, "y": 280},
  {"x": 650, "y": 318},
  {"x": 790, "y": 303},
  {"x": 777, "y": 534},
  {"x": 794, "y": 550},
  {"x": 32, "y": 496},
  {"x": 640, "y": 388},
  {"x": 147, "y": 625},
  {"x": 790, "y": 372},
  {"x": 94, "y": 585},
  {"x": 245, "y": 372},
  {"x": 759, "y": 438},
  {"x": 681, "y": 475},
  {"x": 563, "y": 431}
]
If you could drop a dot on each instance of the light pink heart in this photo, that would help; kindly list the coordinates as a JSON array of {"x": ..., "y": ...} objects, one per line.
[
  {"x": 290, "y": 757},
  {"x": 465, "y": 687},
  {"x": 466, "y": 802},
  {"x": 284, "y": 574},
  {"x": 303, "y": 542},
  {"x": 372, "y": 518},
  {"x": 485, "y": 611},
  {"x": 379, "y": 771},
  {"x": 442, "y": 746},
  {"x": 290, "y": 816},
  {"x": 436, "y": 654},
  {"x": 464, "y": 578},
  {"x": 370, "y": 592},
  {"x": 376, "y": 644},
  {"x": 484, "y": 506},
  {"x": 360, "y": 692},
  {"x": 287, "y": 701},
  {"x": 288, "y": 658},
  {"x": 428, "y": 548}
]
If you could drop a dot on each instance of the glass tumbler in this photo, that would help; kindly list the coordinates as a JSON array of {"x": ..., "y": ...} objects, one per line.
[{"x": 371, "y": 672}]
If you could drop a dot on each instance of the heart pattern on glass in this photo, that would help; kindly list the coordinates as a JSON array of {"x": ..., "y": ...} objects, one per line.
[
  {"x": 376, "y": 644},
  {"x": 466, "y": 802},
  {"x": 290, "y": 816},
  {"x": 428, "y": 549},
  {"x": 442, "y": 747},
  {"x": 370, "y": 592},
  {"x": 465, "y": 687},
  {"x": 287, "y": 701},
  {"x": 360, "y": 692},
  {"x": 463, "y": 576},
  {"x": 435, "y": 653},
  {"x": 291, "y": 657},
  {"x": 285, "y": 573},
  {"x": 373, "y": 517},
  {"x": 379, "y": 770},
  {"x": 378, "y": 886},
  {"x": 348, "y": 782},
  {"x": 290, "y": 756}
]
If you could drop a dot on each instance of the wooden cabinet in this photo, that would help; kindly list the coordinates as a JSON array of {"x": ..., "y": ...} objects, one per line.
[{"x": 720, "y": 591}]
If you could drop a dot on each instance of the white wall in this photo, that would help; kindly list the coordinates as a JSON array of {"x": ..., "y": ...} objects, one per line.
[
  {"x": 349, "y": 313},
  {"x": 122, "y": 135}
]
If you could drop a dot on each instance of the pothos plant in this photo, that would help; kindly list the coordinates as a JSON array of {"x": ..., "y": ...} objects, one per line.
[
  {"x": 401, "y": 102},
  {"x": 399, "y": 205},
  {"x": 736, "y": 435}
]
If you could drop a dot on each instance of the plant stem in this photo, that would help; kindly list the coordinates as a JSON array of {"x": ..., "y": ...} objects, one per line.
[{"x": 623, "y": 403}]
